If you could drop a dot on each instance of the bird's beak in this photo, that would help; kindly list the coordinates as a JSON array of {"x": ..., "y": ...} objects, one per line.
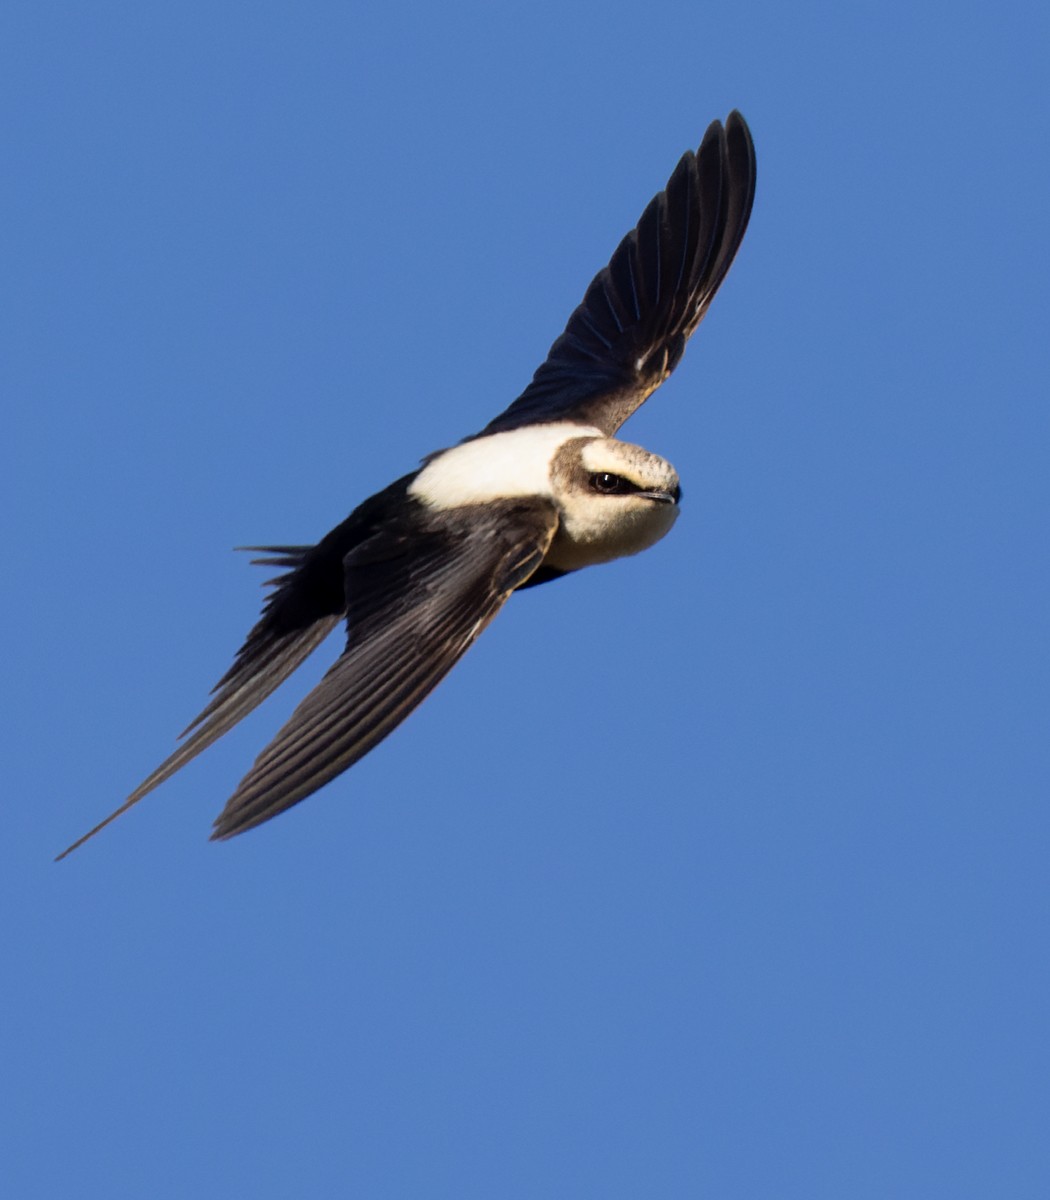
[{"x": 660, "y": 497}]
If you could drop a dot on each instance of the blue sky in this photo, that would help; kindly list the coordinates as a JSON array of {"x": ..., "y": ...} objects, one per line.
[{"x": 717, "y": 872}]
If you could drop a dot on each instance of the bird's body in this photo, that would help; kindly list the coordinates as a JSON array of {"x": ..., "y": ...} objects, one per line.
[{"x": 419, "y": 569}]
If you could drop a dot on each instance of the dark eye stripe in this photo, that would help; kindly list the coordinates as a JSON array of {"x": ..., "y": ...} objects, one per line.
[{"x": 612, "y": 485}]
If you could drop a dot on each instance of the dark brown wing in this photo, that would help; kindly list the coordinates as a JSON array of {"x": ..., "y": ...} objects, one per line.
[
  {"x": 631, "y": 329},
  {"x": 306, "y": 605},
  {"x": 418, "y": 597}
]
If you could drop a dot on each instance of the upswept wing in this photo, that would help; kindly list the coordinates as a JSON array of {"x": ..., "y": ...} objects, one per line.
[
  {"x": 417, "y": 599},
  {"x": 630, "y": 331}
]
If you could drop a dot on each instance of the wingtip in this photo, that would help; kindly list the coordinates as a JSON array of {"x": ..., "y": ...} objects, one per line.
[
  {"x": 226, "y": 826},
  {"x": 738, "y": 137},
  {"x": 222, "y": 828},
  {"x": 734, "y": 131}
]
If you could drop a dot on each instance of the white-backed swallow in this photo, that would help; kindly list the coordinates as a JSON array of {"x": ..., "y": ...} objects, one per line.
[{"x": 418, "y": 570}]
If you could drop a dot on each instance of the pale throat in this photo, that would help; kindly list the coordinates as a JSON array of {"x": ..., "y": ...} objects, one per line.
[{"x": 596, "y": 531}]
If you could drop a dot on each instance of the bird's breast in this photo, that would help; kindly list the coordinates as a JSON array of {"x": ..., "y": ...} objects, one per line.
[{"x": 597, "y": 531}]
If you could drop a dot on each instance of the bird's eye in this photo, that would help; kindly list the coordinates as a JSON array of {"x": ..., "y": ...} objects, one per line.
[{"x": 611, "y": 485}]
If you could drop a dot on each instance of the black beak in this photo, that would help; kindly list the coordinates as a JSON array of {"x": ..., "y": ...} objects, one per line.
[{"x": 662, "y": 497}]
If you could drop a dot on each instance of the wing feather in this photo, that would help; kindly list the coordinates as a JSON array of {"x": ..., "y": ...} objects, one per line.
[
  {"x": 628, "y": 334},
  {"x": 304, "y": 608},
  {"x": 416, "y": 604}
]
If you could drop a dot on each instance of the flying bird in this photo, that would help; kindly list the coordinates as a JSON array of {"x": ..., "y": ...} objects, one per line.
[{"x": 418, "y": 570}]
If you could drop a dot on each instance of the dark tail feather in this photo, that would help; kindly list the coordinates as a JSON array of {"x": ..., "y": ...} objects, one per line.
[
  {"x": 271, "y": 652},
  {"x": 234, "y": 701}
]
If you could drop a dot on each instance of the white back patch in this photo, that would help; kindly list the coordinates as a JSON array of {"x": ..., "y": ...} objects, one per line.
[{"x": 514, "y": 463}]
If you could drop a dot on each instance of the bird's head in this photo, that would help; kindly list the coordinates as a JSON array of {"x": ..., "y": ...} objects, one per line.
[{"x": 613, "y": 499}]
